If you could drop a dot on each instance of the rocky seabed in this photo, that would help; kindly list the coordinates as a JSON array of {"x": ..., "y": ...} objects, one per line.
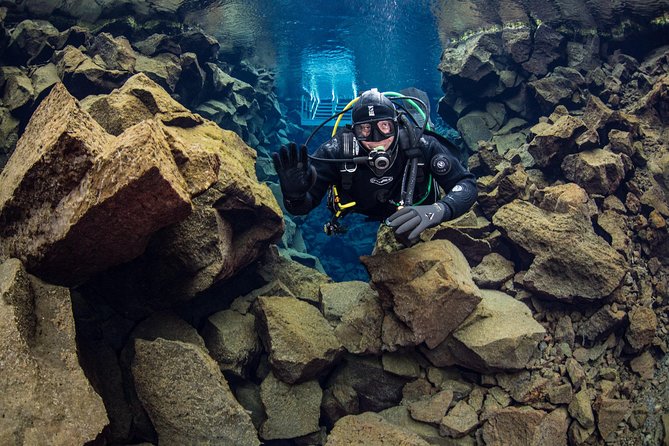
[{"x": 144, "y": 301}]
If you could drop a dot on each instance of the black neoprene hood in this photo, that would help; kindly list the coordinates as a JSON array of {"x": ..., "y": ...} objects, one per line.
[{"x": 373, "y": 106}]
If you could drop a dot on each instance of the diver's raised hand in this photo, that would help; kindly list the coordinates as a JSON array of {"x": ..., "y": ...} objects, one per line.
[
  {"x": 296, "y": 176},
  {"x": 416, "y": 219}
]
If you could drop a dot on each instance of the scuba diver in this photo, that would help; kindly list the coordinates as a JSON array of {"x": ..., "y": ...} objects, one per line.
[{"x": 386, "y": 165}]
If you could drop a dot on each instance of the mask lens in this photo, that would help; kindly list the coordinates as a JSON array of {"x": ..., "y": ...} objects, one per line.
[
  {"x": 386, "y": 128},
  {"x": 374, "y": 131}
]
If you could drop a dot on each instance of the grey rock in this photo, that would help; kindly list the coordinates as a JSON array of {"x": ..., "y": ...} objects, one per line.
[
  {"x": 300, "y": 342},
  {"x": 232, "y": 340},
  {"x": 493, "y": 271},
  {"x": 601, "y": 323},
  {"x": 432, "y": 409},
  {"x": 292, "y": 410},
  {"x": 198, "y": 410},
  {"x": 500, "y": 334},
  {"x": 459, "y": 421},
  {"x": 580, "y": 408}
]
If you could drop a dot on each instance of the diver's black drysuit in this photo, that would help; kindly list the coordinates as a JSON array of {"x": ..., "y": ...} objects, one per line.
[{"x": 378, "y": 194}]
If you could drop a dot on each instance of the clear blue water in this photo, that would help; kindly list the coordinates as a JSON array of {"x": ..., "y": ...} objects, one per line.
[{"x": 324, "y": 49}]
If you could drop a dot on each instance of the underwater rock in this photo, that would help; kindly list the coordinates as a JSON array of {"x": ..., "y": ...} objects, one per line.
[
  {"x": 76, "y": 201},
  {"x": 232, "y": 340},
  {"x": 115, "y": 52},
  {"x": 355, "y": 311},
  {"x": 199, "y": 409},
  {"x": 459, "y": 421},
  {"x": 399, "y": 416},
  {"x": 500, "y": 334},
  {"x": 371, "y": 428},
  {"x": 158, "y": 43},
  {"x": 46, "y": 398},
  {"x": 493, "y": 271},
  {"x": 300, "y": 342},
  {"x": 552, "y": 142},
  {"x": 429, "y": 287},
  {"x": 292, "y": 410},
  {"x": 28, "y": 39},
  {"x": 234, "y": 216},
  {"x": 524, "y": 426},
  {"x": 600, "y": 324},
  {"x": 566, "y": 198},
  {"x": 360, "y": 384},
  {"x": 597, "y": 171},
  {"x": 83, "y": 76},
  {"x": 18, "y": 90},
  {"x": 643, "y": 324},
  {"x": 303, "y": 282},
  {"x": 570, "y": 261}
]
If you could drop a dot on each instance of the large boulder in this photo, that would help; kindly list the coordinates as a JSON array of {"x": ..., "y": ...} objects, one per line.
[
  {"x": 300, "y": 342},
  {"x": 429, "y": 287},
  {"x": 74, "y": 200},
  {"x": 187, "y": 397},
  {"x": 46, "y": 398},
  {"x": 500, "y": 334},
  {"x": 235, "y": 217},
  {"x": 570, "y": 259}
]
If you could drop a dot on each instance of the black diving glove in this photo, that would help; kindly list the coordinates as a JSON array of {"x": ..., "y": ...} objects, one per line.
[
  {"x": 417, "y": 219},
  {"x": 296, "y": 176}
]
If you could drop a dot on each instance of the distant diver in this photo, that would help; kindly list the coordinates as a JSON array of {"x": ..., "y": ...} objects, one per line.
[{"x": 387, "y": 165}]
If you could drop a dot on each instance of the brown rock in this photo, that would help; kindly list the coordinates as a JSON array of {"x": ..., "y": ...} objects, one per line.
[
  {"x": 567, "y": 198},
  {"x": 643, "y": 324},
  {"x": 371, "y": 429},
  {"x": 46, "y": 398},
  {"x": 597, "y": 171},
  {"x": 610, "y": 412},
  {"x": 428, "y": 286},
  {"x": 522, "y": 426},
  {"x": 193, "y": 410},
  {"x": 644, "y": 365},
  {"x": 76, "y": 201},
  {"x": 500, "y": 334},
  {"x": 552, "y": 142},
  {"x": 564, "y": 246}
]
